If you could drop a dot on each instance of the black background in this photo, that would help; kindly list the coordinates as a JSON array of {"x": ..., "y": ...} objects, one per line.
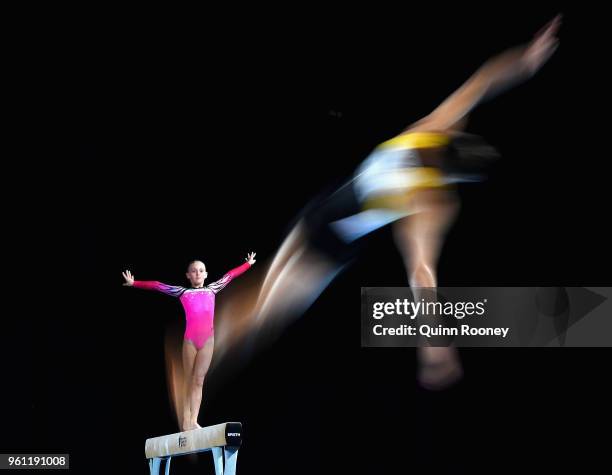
[{"x": 189, "y": 135}]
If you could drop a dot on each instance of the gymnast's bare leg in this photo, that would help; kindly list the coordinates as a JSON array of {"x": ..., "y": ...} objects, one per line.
[
  {"x": 419, "y": 239},
  {"x": 195, "y": 366},
  {"x": 296, "y": 278}
]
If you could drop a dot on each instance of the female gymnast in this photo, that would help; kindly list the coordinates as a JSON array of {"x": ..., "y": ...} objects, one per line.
[
  {"x": 199, "y": 339},
  {"x": 405, "y": 181}
]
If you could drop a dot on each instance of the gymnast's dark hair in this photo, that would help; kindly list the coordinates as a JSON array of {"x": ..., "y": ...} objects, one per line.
[{"x": 469, "y": 157}]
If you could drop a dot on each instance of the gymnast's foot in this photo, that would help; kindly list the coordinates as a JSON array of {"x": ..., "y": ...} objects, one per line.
[
  {"x": 439, "y": 368},
  {"x": 191, "y": 426}
]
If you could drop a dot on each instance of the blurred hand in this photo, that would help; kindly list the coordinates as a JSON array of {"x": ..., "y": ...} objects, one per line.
[
  {"x": 251, "y": 258},
  {"x": 129, "y": 278}
]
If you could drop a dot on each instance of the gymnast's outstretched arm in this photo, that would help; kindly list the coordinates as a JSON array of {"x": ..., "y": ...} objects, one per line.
[
  {"x": 172, "y": 290},
  {"x": 499, "y": 73},
  {"x": 232, "y": 274}
]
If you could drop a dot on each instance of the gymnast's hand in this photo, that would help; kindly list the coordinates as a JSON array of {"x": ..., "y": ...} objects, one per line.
[
  {"x": 251, "y": 258},
  {"x": 542, "y": 47},
  {"x": 129, "y": 278}
]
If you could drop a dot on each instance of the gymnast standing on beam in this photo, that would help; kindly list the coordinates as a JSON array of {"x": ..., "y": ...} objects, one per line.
[
  {"x": 199, "y": 339},
  {"x": 406, "y": 181}
]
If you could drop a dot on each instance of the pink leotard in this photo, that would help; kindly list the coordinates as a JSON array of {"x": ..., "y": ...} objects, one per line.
[{"x": 199, "y": 304}]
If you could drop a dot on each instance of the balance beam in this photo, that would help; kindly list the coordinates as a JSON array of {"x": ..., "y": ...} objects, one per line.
[{"x": 222, "y": 439}]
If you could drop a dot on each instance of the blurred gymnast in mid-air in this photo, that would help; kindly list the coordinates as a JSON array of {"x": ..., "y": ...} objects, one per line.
[{"x": 407, "y": 182}]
